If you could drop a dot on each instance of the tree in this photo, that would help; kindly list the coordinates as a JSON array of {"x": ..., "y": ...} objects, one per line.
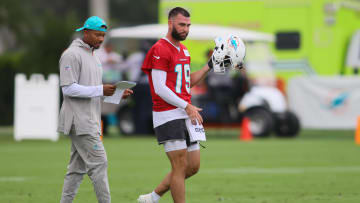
[{"x": 40, "y": 30}]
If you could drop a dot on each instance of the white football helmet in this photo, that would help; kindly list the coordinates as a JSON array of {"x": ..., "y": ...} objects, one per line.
[{"x": 229, "y": 52}]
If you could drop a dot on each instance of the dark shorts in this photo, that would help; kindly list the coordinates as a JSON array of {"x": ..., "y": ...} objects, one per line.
[{"x": 173, "y": 130}]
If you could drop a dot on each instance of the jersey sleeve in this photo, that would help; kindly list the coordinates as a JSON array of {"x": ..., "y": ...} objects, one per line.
[
  {"x": 69, "y": 69},
  {"x": 157, "y": 58}
]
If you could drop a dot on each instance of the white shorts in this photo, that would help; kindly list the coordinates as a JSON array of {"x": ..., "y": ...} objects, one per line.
[{"x": 173, "y": 145}]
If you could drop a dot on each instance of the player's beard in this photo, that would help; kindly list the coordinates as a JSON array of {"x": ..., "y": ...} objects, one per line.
[{"x": 176, "y": 35}]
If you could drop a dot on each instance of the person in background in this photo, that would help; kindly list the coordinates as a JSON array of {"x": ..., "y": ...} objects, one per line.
[
  {"x": 225, "y": 89},
  {"x": 112, "y": 73},
  {"x": 142, "y": 109}
]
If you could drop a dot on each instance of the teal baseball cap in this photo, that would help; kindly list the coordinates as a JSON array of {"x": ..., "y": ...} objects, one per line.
[{"x": 94, "y": 23}]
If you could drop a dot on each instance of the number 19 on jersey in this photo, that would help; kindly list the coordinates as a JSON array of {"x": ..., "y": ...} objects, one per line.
[{"x": 179, "y": 77}]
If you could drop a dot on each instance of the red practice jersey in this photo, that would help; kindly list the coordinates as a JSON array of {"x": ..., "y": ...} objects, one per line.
[{"x": 164, "y": 56}]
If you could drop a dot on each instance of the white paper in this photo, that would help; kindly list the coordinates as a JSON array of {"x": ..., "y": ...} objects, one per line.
[
  {"x": 120, "y": 88},
  {"x": 196, "y": 132},
  {"x": 125, "y": 85},
  {"x": 115, "y": 98}
]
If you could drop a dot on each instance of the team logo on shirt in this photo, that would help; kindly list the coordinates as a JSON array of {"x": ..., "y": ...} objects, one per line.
[
  {"x": 67, "y": 67},
  {"x": 157, "y": 57}
]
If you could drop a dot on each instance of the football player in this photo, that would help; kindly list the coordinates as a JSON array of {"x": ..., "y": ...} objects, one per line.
[{"x": 167, "y": 65}]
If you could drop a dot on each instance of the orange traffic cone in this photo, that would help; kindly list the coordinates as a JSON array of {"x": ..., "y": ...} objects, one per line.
[
  {"x": 245, "y": 130},
  {"x": 357, "y": 132}
]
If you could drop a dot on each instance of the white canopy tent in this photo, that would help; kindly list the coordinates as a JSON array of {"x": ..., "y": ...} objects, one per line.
[
  {"x": 197, "y": 32},
  {"x": 258, "y": 53}
]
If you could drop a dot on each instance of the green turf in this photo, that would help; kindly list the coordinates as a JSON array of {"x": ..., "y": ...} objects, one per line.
[{"x": 317, "y": 166}]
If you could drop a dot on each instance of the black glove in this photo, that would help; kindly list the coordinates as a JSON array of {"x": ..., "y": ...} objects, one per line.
[
  {"x": 240, "y": 66},
  {"x": 210, "y": 63}
]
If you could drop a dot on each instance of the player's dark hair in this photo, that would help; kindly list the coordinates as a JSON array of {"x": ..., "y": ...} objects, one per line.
[{"x": 178, "y": 10}]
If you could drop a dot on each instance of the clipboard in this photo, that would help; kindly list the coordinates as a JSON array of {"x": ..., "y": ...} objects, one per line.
[
  {"x": 121, "y": 86},
  {"x": 125, "y": 85}
]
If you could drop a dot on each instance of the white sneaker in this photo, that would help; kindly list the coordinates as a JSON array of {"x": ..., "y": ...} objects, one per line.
[{"x": 145, "y": 199}]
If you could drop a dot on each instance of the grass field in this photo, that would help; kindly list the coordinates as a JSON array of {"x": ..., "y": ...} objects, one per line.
[{"x": 317, "y": 166}]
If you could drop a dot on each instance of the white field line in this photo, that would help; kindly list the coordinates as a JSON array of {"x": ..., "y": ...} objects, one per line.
[
  {"x": 13, "y": 179},
  {"x": 292, "y": 170}
]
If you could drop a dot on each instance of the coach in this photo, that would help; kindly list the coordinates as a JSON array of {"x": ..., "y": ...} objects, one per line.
[{"x": 80, "y": 114}]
